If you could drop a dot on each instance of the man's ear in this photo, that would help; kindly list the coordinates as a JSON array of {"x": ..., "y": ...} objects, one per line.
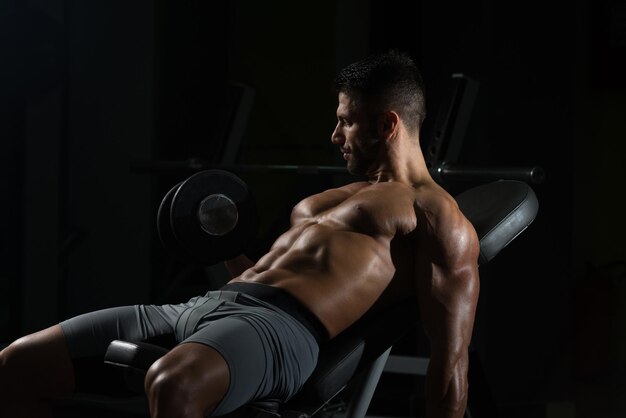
[{"x": 389, "y": 124}]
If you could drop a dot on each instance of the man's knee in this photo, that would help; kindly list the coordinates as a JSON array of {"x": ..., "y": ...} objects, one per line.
[
  {"x": 37, "y": 364},
  {"x": 27, "y": 387},
  {"x": 13, "y": 359},
  {"x": 171, "y": 394},
  {"x": 165, "y": 386},
  {"x": 11, "y": 383},
  {"x": 186, "y": 382},
  {"x": 14, "y": 366},
  {"x": 3, "y": 369}
]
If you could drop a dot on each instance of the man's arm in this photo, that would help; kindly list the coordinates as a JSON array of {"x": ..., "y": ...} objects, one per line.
[
  {"x": 236, "y": 266},
  {"x": 448, "y": 286}
]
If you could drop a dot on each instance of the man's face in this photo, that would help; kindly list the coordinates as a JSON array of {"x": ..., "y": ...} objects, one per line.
[{"x": 356, "y": 136}]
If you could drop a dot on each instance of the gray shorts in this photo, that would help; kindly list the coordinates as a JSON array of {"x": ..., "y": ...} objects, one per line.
[{"x": 270, "y": 354}]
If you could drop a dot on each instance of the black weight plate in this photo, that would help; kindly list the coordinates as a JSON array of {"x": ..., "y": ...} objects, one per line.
[
  {"x": 164, "y": 227},
  {"x": 186, "y": 226}
]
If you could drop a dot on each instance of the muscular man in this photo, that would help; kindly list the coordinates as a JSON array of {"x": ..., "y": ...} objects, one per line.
[{"x": 348, "y": 250}]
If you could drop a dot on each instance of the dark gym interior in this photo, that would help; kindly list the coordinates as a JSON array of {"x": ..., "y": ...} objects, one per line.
[{"x": 104, "y": 106}]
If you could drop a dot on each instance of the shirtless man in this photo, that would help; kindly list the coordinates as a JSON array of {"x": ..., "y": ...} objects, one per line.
[{"x": 348, "y": 249}]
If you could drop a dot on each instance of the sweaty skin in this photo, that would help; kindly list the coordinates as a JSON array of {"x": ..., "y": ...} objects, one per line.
[
  {"x": 336, "y": 258},
  {"x": 368, "y": 244},
  {"x": 347, "y": 246}
]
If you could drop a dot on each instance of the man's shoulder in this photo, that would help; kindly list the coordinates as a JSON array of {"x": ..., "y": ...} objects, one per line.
[
  {"x": 434, "y": 201},
  {"x": 440, "y": 216}
]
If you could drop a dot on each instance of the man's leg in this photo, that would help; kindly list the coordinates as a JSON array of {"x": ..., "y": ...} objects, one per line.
[
  {"x": 188, "y": 382},
  {"x": 33, "y": 370}
]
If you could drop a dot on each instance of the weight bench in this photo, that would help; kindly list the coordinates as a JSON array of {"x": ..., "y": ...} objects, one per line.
[{"x": 499, "y": 211}]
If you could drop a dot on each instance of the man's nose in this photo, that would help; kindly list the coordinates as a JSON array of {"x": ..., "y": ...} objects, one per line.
[{"x": 337, "y": 138}]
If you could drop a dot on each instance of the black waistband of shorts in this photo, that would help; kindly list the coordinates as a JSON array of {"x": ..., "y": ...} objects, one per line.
[{"x": 284, "y": 301}]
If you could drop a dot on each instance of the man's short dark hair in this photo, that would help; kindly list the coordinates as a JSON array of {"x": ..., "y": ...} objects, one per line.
[{"x": 389, "y": 81}]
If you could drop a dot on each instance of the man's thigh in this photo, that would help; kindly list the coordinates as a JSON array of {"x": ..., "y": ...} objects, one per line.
[
  {"x": 89, "y": 335},
  {"x": 268, "y": 353}
]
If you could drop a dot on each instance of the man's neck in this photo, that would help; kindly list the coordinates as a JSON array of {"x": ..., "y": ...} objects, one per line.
[{"x": 404, "y": 163}]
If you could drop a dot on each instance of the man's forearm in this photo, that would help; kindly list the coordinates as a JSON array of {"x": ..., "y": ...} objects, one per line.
[
  {"x": 446, "y": 388},
  {"x": 238, "y": 265}
]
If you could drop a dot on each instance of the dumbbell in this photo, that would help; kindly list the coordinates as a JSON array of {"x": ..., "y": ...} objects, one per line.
[{"x": 208, "y": 218}]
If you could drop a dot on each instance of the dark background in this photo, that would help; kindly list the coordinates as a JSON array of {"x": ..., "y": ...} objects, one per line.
[{"x": 87, "y": 89}]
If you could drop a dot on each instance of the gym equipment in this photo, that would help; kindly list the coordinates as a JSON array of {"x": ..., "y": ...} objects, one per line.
[
  {"x": 499, "y": 211},
  {"x": 211, "y": 217},
  {"x": 208, "y": 218},
  {"x": 444, "y": 145},
  {"x": 442, "y": 172}
]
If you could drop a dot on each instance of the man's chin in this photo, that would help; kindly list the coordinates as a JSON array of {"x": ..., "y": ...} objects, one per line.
[
  {"x": 352, "y": 169},
  {"x": 359, "y": 167},
  {"x": 355, "y": 170}
]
